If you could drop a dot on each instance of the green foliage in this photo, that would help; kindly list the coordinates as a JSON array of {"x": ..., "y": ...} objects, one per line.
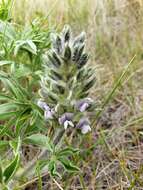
[
  {"x": 4, "y": 9},
  {"x": 21, "y": 51},
  {"x": 60, "y": 157},
  {"x": 63, "y": 155},
  {"x": 39, "y": 140},
  {"x": 23, "y": 121},
  {"x": 10, "y": 170}
]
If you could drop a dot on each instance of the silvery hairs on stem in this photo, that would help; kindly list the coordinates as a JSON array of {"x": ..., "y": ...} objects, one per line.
[{"x": 66, "y": 82}]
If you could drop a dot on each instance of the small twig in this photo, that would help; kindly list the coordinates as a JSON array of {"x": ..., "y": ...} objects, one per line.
[
  {"x": 57, "y": 184},
  {"x": 31, "y": 181},
  {"x": 36, "y": 178}
]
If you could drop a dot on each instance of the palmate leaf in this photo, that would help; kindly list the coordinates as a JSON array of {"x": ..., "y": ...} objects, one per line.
[
  {"x": 39, "y": 140},
  {"x": 29, "y": 120},
  {"x": 67, "y": 152},
  {"x": 28, "y": 45},
  {"x": 68, "y": 165},
  {"x": 31, "y": 47},
  {"x": 52, "y": 169}
]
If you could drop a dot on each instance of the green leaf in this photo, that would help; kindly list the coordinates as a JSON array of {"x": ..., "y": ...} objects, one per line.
[
  {"x": 18, "y": 45},
  {"x": 8, "y": 115},
  {"x": 22, "y": 121},
  {"x": 7, "y": 107},
  {"x": 40, "y": 140},
  {"x": 31, "y": 47},
  {"x": 7, "y": 110},
  {"x": 11, "y": 169},
  {"x": 4, "y": 97},
  {"x": 68, "y": 165},
  {"x": 15, "y": 144},
  {"x": 4, "y": 62},
  {"x": 67, "y": 152},
  {"x": 52, "y": 169},
  {"x": 25, "y": 44},
  {"x": 6, "y": 127},
  {"x": 9, "y": 32},
  {"x": 12, "y": 86},
  {"x": 34, "y": 117}
]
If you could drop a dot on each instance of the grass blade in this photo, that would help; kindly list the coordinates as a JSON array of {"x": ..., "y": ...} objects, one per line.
[{"x": 113, "y": 90}]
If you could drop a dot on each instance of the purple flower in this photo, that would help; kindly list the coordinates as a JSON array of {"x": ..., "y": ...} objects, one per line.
[
  {"x": 83, "y": 104},
  {"x": 66, "y": 120},
  {"x": 43, "y": 105},
  {"x": 48, "y": 112},
  {"x": 84, "y": 125}
]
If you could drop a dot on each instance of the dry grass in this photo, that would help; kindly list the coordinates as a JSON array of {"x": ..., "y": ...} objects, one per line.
[{"x": 113, "y": 152}]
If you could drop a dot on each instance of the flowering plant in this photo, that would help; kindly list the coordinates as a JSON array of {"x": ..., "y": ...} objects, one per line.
[
  {"x": 42, "y": 120},
  {"x": 66, "y": 82}
]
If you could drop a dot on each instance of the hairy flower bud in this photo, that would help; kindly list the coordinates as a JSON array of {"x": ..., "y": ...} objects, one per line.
[
  {"x": 80, "y": 39},
  {"x": 89, "y": 84},
  {"x": 83, "y": 60},
  {"x": 56, "y": 43},
  {"x": 66, "y": 33},
  {"x": 56, "y": 58},
  {"x": 67, "y": 53},
  {"x": 77, "y": 52}
]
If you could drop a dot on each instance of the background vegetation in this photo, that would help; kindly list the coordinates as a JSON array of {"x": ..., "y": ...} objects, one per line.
[{"x": 114, "y": 149}]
